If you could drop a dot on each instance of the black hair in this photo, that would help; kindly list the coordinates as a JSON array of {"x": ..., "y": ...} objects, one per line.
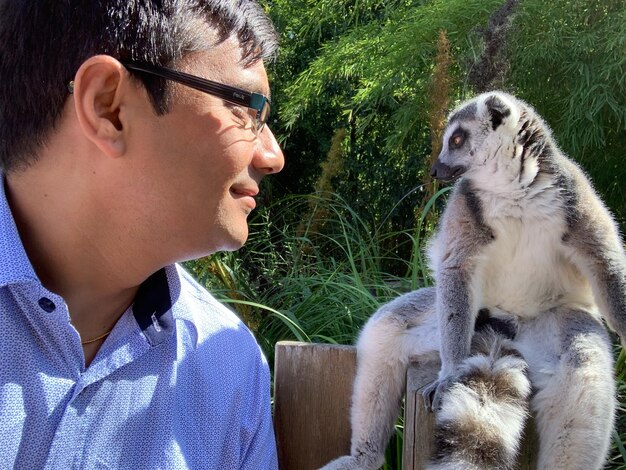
[{"x": 44, "y": 42}]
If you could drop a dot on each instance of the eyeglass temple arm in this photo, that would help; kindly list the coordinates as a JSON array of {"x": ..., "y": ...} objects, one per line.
[{"x": 237, "y": 95}]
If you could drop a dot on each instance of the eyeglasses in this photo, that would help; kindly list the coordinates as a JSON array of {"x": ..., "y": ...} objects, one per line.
[{"x": 255, "y": 101}]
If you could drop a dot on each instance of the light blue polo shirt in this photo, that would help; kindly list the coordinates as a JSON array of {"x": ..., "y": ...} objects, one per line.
[{"x": 179, "y": 383}]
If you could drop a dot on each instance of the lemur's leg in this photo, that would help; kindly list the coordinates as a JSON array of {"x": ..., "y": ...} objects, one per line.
[
  {"x": 399, "y": 330},
  {"x": 571, "y": 369},
  {"x": 481, "y": 420}
]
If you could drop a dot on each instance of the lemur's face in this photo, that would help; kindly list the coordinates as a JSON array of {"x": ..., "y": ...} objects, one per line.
[{"x": 482, "y": 131}]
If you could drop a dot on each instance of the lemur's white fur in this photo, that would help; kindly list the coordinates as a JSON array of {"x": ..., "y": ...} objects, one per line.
[{"x": 525, "y": 238}]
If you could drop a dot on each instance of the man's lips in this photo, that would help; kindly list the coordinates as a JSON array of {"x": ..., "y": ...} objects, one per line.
[{"x": 246, "y": 194}]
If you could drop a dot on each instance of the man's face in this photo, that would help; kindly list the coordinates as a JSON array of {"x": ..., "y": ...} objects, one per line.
[{"x": 200, "y": 165}]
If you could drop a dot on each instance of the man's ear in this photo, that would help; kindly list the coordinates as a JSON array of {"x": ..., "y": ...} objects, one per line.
[{"x": 100, "y": 89}]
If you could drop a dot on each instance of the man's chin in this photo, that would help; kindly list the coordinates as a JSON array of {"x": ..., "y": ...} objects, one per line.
[
  {"x": 234, "y": 241},
  {"x": 231, "y": 243}
]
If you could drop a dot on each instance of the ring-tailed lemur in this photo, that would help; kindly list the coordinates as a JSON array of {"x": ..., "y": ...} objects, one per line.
[{"x": 525, "y": 240}]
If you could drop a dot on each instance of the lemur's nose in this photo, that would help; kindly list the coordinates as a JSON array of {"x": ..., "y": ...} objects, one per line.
[{"x": 443, "y": 172}]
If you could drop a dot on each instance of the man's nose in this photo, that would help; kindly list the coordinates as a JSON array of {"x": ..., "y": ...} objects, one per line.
[{"x": 269, "y": 157}]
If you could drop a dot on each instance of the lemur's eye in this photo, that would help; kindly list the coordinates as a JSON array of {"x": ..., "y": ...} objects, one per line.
[{"x": 457, "y": 139}]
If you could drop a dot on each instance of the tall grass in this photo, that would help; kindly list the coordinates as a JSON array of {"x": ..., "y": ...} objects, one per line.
[{"x": 314, "y": 270}]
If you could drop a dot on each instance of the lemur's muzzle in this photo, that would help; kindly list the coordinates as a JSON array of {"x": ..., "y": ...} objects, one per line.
[{"x": 443, "y": 172}]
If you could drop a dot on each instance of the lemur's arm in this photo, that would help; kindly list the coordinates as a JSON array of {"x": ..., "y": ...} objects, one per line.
[
  {"x": 599, "y": 252},
  {"x": 461, "y": 237}
]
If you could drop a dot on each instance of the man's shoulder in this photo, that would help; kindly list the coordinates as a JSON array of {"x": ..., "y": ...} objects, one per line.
[
  {"x": 197, "y": 300},
  {"x": 213, "y": 322}
]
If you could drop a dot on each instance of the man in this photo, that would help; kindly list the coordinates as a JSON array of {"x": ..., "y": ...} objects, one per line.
[{"x": 115, "y": 167}]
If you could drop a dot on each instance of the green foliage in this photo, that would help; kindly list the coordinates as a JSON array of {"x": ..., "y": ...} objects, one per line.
[
  {"x": 385, "y": 65},
  {"x": 569, "y": 61}
]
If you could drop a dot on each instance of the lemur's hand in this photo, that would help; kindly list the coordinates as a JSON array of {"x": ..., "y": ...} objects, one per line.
[{"x": 433, "y": 393}]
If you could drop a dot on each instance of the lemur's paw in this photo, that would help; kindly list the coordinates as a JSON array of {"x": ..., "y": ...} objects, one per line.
[{"x": 433, "y": 393}]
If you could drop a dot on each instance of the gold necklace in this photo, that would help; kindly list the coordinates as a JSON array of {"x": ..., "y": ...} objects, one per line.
[{"x": 97, "y": 338}]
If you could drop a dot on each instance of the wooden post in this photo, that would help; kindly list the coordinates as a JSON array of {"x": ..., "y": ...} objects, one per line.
[
  {"x": 312, "y": 392},
  {"x": 419, "y": 424}
]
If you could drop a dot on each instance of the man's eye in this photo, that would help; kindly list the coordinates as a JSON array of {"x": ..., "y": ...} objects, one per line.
[
  {"x": 238, "y": 111},
  {"x": 244, "y": 116}
]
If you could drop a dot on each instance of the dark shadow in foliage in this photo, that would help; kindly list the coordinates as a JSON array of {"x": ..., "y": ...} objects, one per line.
[{"x": 490, "y": 70}]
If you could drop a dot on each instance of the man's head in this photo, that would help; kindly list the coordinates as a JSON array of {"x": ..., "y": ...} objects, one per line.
[
  {"x": 130, "y": 160},
  {"x": 44, "y": 42}
]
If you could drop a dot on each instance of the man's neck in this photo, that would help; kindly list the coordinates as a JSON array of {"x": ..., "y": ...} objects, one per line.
[{"x": 74, "y": 249}]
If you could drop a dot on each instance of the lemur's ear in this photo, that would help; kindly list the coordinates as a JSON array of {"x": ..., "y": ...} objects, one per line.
[{"x": 498, "y": 110}]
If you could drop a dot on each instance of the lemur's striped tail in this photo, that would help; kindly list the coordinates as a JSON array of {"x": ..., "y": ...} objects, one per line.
[{"x": 482, "y": 417}]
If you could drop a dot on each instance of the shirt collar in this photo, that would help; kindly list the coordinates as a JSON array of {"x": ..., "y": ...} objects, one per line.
[
  {"x": 164, "y": 298},
  {"x": 14, "y": 263},
  {"x": 153, "y": 306}
]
